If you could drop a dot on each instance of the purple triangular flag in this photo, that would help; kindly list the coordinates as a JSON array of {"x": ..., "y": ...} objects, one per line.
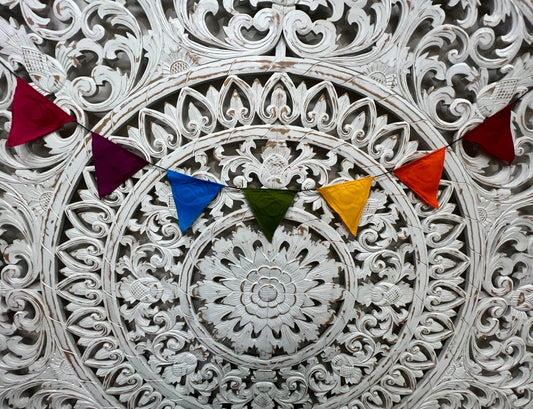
[
  {"x": 113, "y": 164},
  {"x": 191, "y": 196}
]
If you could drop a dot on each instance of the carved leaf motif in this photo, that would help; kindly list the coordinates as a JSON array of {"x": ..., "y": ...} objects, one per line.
[
  {"x": 443, "y": 232},
  {"x": 357, "y": 121},
  {"x": 123, "y": 382},
  {"x": 376, "y": 397},
  {"x": 103, "y": 353},
  {"x": 88, "y": 323},
  {"x": 158, "y": 131},
  {"x": 263, "y": 27},
  {"x": 447, "y": 263},
  {"x": 60, "y": 396},
  {"x": 195, "y": 114},
  {"x": 445, "y": 296},
  {"x": 81, "y": 289},
  {"x": 434, "y": 328},
  {"x": 236, "y": 102},
  {"x": 90, "y": 218},
  {"x": 419, "y": 357},
  {"x": 31, "y": 356},
  {"x": 17, "y": 262},
  {"x": 298, "y": 24},
  {"x": 81, "y": 254},
  {"x": 320, "y": 107},
  {"x": 391, "y": 144},
  {"x": 279, "y": 101},
  {"x": 400, "y": 381},
  {"x": 320, "y": 380}
]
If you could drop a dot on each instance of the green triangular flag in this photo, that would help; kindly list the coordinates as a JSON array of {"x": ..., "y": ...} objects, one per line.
[{"x": 269, "y": 207}]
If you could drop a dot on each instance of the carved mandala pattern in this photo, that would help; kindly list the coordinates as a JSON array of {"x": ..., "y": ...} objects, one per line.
[
  {"x": 276, "y": 298},
  {"x": 106, "y": 303}
]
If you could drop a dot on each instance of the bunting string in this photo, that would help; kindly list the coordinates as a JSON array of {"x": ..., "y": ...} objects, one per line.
[{"x": 34, "y": 115}]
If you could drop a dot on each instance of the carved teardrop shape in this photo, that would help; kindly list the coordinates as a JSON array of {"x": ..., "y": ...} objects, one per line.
[
  {"x": 195, "y": 114},
  {"x": 320, "y": 107},
  {"x": 82, "y": 289},
  {"x": 81, "y": 254},
  {"x": 357, "y": 122},
  {"x": 236, "y": 102},
  {"x": 279, "y": 101},
  {"x": 90, "y": 217},
  {"x": 158, "y": 131},
  {"x": 391, "y": 144}
]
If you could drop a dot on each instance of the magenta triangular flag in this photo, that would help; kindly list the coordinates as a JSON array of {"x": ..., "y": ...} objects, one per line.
[
  {"x": 33, "y": 115},
  {"x": 494, "y": 134},
  {"x": 113, "y": 164}
]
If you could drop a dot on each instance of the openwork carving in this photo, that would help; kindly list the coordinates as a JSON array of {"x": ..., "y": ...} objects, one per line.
[{"x": 106, "y": 303}]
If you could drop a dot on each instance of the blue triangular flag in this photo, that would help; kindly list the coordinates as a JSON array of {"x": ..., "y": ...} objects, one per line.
[{"x": 191, "y": 196}]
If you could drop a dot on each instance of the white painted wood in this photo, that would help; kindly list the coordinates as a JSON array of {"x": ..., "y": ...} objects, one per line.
[{"x": 106, "y": 304}]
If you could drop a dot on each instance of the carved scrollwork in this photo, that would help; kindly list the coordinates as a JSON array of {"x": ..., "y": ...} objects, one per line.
[
  {"x": 199, "y": 306},
  {"x": 107, "y": 303}
]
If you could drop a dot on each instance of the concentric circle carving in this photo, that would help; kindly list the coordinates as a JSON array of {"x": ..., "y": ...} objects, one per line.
[
  {"x": 221, "y": 315},
  {"x": 107, "y": 304},
  {"x": 278, "y": 301}
]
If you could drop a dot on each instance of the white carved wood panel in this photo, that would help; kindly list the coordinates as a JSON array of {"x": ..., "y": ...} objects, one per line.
[{"x": 106, "y": 304}]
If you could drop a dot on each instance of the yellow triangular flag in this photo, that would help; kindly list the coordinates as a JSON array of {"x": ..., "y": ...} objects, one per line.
[{"x": 348, "y": 200}]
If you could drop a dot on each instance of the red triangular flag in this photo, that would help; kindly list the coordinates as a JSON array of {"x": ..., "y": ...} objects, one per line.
[
  {"x": 113, "y": 164},
  {"x": 423, "y": 176},
  {"x": 33, "y": 115},
  {"x": 494, "y": 134}
]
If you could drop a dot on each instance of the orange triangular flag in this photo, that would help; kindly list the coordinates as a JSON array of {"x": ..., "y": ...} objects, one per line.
[
  {"x": 423, "y": 175},
  {"x": 34, "y": 115},
  {"x": 348, "y": 200}
]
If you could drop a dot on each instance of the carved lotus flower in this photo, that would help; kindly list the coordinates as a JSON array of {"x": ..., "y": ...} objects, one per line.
[
  {"x": 386, "y": 294},
  {"x": 40, "y": 197},
  {"x": 268, "y": 297},
  {"x": 164, "y": 194},
  {"x": 273, "y": 171}
]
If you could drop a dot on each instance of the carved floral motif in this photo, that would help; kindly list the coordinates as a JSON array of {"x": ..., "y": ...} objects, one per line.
[
  {"x": 105, "y": 303},
  {"x": 278, "y": 299}
]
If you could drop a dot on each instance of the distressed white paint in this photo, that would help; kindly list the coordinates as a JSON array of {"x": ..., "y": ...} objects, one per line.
[{"x": 107, "y": 304}]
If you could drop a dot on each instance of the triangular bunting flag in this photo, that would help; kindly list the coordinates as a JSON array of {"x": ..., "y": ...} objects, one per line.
[
  {"x": 269, "y": 207},
  {"x": 348, "y": 200},
  {"x": 33, "y": 115},
  {"x": 494, "y": 134},
  {"x": 423, "y": 176},
  {"x": 113, "y": 164},
  {"x": 191, "y": 196}
]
